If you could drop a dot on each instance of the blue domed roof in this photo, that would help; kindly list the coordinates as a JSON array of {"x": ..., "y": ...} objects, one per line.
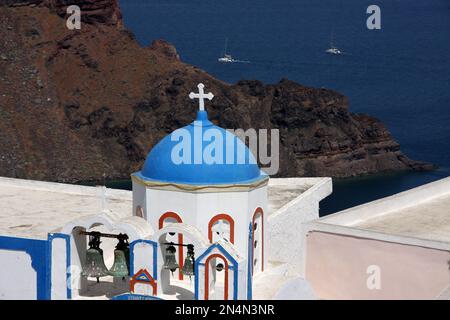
[{"x": 196, "y": 155}]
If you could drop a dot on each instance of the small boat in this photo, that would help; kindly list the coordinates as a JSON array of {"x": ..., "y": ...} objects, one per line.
[
  {"x": 333, "y": 50},
  {"x": 226, "y": 58}
]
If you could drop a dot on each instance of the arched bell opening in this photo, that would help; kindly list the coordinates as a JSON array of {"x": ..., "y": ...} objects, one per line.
[
  {"x": 216, "y": 277},
  {"x": 193, "y": 245},
  {"x": 99, "y": 262},
  {"x": 171, "y": 284},
  {"x": 217, "y": 273},
  {"x": 176, "y": 237},
  {"x": 221, "y": 227}
]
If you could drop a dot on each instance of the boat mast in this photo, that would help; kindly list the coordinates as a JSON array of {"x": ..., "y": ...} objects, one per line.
[
  {"x": 332, "y": 39},
  {"x": 226, "y": 45}
]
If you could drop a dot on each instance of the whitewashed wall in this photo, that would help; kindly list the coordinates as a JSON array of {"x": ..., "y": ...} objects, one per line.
[
  {"x": 234, "y": 204},
  {"x": 258, "y": 198},
  {"x": 18, "y": 279},
  {"x": 286, "y": 234},
  {"x": 198, "y": 209},
  {"x": 139, "y": 198},
  {"x": 58, "y": 269},
  {"x": 143, "y": 257}
]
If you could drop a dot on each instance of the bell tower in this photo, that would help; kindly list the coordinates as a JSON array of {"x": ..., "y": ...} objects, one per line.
[{"x": 194, "y": 177}]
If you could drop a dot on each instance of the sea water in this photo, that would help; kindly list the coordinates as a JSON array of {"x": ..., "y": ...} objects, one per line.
[{"x": 400, "y": 74}]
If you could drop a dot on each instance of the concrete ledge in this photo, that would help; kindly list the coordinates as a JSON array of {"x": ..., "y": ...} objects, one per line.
[
  {"x": 63, "y": 188},
  {"x": 387, "y": 205},
  {"x": 319, "y": 189},
  {"x": 367, "y": 234}
]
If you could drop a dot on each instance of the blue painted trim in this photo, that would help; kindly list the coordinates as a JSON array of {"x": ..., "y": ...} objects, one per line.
[
  {"x": 130, "y": 296},
  {"x": 250, "y": 263},
  {"x": 38, "y": 251},
  {"x": 229, "y": 257},
  {"x": 154, "y": 273},
  {"x": 48, "y": 265},
  {"x": 155, "y": 258},
  {"x": 141, "y": 275},
  {"x": 66, "y": 237},
  {"x": 196, "y": 265},
  {"x": 235, "y": 289}
]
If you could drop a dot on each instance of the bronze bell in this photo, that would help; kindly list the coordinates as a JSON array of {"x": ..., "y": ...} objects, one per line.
[
  {"x": 170, "y": 260},
  {"x": 188, "y": 267},
  {"x": 95, "y": 265},
  {"x": 120, "y": 267}
]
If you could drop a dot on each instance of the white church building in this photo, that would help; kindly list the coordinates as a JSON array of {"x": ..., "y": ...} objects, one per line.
[
  {"x": 191, "y": 228},
  {"x": 195, "y": 228}
]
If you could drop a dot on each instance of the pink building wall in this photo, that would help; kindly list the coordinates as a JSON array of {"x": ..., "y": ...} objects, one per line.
[{"x": 337, "y": 268}]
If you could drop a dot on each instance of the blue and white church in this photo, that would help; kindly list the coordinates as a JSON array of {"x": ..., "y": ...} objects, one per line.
[
  {"x": 203, "y": 221},
  {"x": 217, "y": 206}
]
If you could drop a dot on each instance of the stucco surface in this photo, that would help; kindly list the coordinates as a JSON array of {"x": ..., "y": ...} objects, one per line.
[
  {"x": 427, "y": 220},
  {"x": 339, "y": 267},
  {"x": 32, "y": 209},
  {"x": 406, "y": 237},
  {"x": 281, "y": 194}
]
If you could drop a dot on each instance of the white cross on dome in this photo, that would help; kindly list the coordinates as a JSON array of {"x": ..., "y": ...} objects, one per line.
[{"x": 201, "y": 96}]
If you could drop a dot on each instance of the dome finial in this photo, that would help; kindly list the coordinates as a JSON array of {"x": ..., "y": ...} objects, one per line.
[{"x": 201, "y": 96}]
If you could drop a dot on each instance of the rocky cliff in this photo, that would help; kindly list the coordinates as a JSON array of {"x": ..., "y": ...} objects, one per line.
[{"x": 78, "y": 105}]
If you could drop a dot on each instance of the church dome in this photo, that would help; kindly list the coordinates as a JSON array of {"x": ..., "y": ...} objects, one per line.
[{"x": 201, "y": 154}]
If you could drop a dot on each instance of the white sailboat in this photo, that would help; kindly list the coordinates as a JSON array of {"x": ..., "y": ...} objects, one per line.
[
  {"x": 333, "y": 49},
  {"x": 226, "y": 58}
]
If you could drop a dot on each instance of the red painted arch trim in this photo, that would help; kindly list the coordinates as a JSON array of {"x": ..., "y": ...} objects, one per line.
[
  {"x": 225, "y": 261},
  {"x": 222, "y": 216},
  {"x": 260, "y": 211},
  {"x": 167, "y": 215},
  {"x": 173, "y": 215}
]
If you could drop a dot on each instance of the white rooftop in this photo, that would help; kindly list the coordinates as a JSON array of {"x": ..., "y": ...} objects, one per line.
[
  {"x": 32, "y": 209},
  {"x": 284, "y": 190},
  {"x": 419, "y": 216},
  {"x": 427, "y": 220}
]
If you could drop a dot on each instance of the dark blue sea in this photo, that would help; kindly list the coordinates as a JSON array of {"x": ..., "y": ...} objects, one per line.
[{"x": 399, "y": 74}]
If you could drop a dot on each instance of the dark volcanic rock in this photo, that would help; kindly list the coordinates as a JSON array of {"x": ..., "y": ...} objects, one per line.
[
  {"x": 92, "y": 11},
  {"x": 165, "y": 48},
  {"x": 79, "y": 104}
]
